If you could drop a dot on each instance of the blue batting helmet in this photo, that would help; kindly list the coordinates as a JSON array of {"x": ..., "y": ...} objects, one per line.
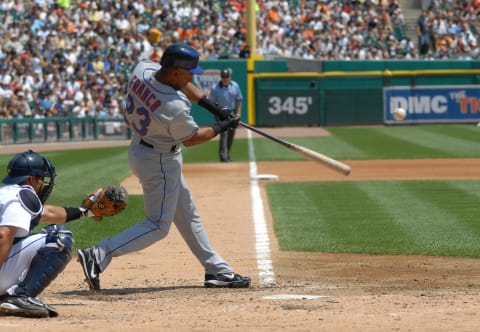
[{"x": 182, "y": 56}]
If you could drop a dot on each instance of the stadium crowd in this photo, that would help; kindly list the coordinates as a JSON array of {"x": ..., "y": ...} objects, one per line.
[{"x": 59, "y": 58}]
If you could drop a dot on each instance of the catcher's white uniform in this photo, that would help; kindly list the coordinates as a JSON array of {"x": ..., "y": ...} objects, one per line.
[
  {"x": 14, "y": 213},
  {"x": 160, "y": 119}
]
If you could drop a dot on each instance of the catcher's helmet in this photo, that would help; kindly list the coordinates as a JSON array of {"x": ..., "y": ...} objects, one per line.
[
  {"x": 27, "y": 164},
  {"x": 182, "y": 56}
]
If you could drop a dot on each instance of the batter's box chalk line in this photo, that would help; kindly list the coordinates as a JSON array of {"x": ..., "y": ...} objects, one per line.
[
  {"x": 295, "y": 297},
  {"x": 272, "y": 177}
]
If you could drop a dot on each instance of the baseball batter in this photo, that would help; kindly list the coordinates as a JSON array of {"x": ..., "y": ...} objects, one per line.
[{"x": 158, "y": 114}]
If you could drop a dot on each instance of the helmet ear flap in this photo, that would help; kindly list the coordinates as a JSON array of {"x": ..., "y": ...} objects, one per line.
[{"x": 167, "y": 61}]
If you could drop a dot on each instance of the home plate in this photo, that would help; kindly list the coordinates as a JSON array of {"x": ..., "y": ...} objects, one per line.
[
  {"x": 265, "y": 177},
  {"x": 294, "y": 297}
]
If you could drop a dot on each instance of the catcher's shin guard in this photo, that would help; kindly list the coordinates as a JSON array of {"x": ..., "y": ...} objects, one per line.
[{"x": 49, "y": 261}]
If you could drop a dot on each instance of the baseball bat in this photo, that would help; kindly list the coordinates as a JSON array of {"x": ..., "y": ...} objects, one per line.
[{"x": 310, "y": 154}]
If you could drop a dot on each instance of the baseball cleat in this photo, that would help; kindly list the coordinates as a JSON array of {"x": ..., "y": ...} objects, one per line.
[
  {"x": 52, "y": 311},
  {"x": 23, "y": 306},
  {"x": 90, "y": 268},
  {"x": 233, "y": 280}
]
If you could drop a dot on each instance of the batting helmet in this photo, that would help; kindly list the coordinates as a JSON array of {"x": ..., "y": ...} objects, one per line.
[
  {"x": 27, "y": 164},
  {"x": 182, "y": 56}
]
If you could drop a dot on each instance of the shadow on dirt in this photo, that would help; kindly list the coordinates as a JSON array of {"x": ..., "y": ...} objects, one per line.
[{"x": 125, "y": 291}]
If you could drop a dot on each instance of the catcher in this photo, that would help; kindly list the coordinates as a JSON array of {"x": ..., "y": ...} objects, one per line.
[{"x": 29, "y": 262}]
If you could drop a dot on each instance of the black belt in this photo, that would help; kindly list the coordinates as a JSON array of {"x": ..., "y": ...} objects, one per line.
[{"x": 148, "y": 145}]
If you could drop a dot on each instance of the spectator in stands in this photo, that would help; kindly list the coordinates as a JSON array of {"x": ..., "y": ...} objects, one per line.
[{"x": 59, "y": 44}]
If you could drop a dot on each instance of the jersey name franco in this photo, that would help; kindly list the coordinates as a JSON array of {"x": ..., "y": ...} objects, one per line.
[
  {"x": 154, "y": 110},
  {"x": 143, "y": 92}
]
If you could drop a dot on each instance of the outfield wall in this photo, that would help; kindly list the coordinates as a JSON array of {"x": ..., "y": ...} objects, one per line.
[
  {"x": 362, "y": 97},
  {"x": 347, "y": 92}
]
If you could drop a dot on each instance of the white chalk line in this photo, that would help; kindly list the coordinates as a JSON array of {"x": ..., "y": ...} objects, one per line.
[
  {"x": 262, "y": 242},
  {"x": 295, "y": 297}
]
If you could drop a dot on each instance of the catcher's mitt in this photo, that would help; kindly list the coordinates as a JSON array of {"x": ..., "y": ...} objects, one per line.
[{"x": 106, "y": 201}]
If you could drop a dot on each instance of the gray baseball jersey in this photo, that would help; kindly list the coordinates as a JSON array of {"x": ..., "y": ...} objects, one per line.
[{"x": 160, "y": 120}]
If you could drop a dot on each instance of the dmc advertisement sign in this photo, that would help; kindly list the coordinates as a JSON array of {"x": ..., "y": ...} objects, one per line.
[{"x": 430, "y": 104}]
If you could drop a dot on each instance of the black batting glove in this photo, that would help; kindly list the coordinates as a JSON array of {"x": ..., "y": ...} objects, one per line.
[
  {"x": 227, "y": 113},
  {"x": 220, "y": 112},
  {"x": 224, "y": 125},
  {"x": 234, "y": 121}
]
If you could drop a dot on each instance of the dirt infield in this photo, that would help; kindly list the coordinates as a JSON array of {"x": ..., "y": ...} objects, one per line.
[{"x": 160, "y": 288}]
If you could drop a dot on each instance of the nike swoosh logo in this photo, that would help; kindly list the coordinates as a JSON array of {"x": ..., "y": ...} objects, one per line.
[
  {"x": 92, "y": 271},
  {"x": 229, "y": 275}
]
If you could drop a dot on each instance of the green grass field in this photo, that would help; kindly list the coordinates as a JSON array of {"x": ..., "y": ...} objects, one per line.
[{"x": 375, "y": 217}]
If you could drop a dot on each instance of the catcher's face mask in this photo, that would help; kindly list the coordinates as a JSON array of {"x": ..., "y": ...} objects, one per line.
[{"x": 47, "y": 188}]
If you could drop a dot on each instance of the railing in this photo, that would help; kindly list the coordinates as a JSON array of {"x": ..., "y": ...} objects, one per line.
[{"x": 57, "y": 129}]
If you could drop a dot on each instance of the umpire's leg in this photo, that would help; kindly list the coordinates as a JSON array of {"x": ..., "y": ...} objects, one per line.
[
  {"x": 223, "y": 149},
  {"x": 230, "y": 136}
]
